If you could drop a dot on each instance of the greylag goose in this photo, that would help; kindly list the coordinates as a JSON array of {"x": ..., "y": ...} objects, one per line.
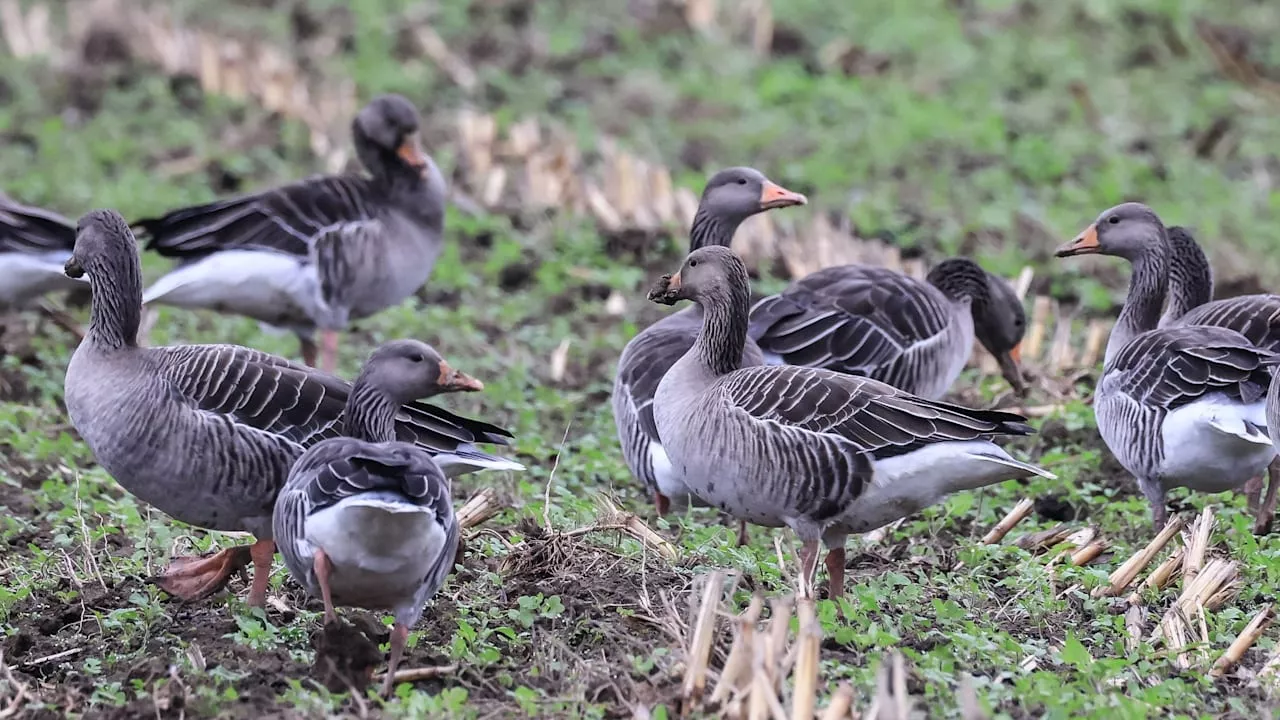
[
  {"x": 825, "y": 453},
  {"x": 317, "y": 253},
  {"x": 730, "y": 197},
  {"x": 366, "y": 520},
  {"x": 207, "y": 433},
  {"x": 34, "y": 245},
  {"x": 1182, "y": 405},
  {"x": 879, "y": 323}
]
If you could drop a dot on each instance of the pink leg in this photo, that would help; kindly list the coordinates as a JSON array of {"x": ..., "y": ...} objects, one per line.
[
  {"x": 835, "y": 573},
  {"x": 399, "y": 636},
  {"x": 742, "y": 533},
  {"x": 661, "y": 502},
  {"x": 808, "y": 567},
  {"x": 262, "y": 552},
  {"x": 1253, "y": 494},
  {"x": 322, "y": 568},
  {"x": 329, "y": 350},
  {"x": 1266, "y": 513},
  {"x": 309, "y": 351}
]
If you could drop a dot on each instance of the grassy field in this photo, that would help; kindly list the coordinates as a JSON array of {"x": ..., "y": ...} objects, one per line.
[{"x": 934, "y": 124}]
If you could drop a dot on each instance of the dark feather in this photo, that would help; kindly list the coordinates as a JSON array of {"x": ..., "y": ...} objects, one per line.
[{"x": 285, "y": 219}]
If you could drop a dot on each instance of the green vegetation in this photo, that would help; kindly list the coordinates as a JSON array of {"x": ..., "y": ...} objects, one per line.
[{"x": 944, "y": 125}]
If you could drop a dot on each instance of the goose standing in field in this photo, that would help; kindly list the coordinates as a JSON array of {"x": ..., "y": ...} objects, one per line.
[
  {"x": 880, "y": 323},
  {"x": 34, "y": 246},
  {"x": 1182, "y": 405},
  {"x": 730, "y": 197},
  {"x": 366, "y": 520},
  {"x": 317, "y": 253},
  {"x": 207, "y": 433},
  {"x": 824, "y": 453}
]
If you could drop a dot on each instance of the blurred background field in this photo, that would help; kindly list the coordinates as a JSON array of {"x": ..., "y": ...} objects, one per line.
[{"x": 576, "y": 134}]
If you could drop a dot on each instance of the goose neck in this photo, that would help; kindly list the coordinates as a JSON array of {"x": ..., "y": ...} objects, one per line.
[
  {"x": 1145, "y": 300},
  {"x": 711, "y": 228},
  {"x": 116, "y": 309},
  {"x": 724, "y": 330},
  {"x": 370, "y": 413}
]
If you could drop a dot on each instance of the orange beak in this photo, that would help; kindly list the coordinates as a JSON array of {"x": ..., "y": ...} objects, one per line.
[
  {"x": 674, "y": 282},
  {"x": 410, "y": 151},
  {"x": 457, "y": 380},
  {"x": 1016, "y": 353},
  {"x": 774, "y": 195},
  {"x": 1086, "y": 243}
]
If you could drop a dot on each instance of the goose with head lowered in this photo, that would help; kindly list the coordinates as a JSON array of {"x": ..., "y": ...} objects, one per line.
[
  {"x": 730, "y": 197},
  {"x": 317, "y": 253},
  {"x": 1181, "y": 405},
  {"x": 824, "y": 453},
  {"x": 366, "y": 520},
  {"x": 880, "y": 323},
  {"x": 208, "y": 433}
]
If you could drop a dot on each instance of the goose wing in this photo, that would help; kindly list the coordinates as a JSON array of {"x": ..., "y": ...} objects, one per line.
[
  {"x": 1256, "y": 317},
  {"x": 297, "y": 402},
  {"x": 871, "y": 416},
  {"x": 1165, "y": 369},
  {"x": 1170, "y": 367},
  {"x": 341, "y": 468},
  {"x": 287, "y": 219},
  {"x": 852, "y": 319},
  {"x": 27, "y": 229}
]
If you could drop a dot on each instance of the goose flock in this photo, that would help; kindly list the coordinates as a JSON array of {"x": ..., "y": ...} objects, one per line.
[{"x": 818, "y": 409}]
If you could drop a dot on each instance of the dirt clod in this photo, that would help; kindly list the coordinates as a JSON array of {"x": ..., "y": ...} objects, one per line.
[{"x": 345, "y": 657}]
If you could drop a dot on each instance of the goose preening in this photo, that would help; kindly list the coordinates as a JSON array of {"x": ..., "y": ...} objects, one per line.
[
  {"x": 880, "y": 323},
  {"x": 317, "y": 253},
  {"x": 730, "y": 197},
  {"x": 34, "y": 246},
  {"x": 1182, "y": 405},
  {"x": 824, "y": 453},
  {"x": 208, "y": 433},
  {"x": 366, "y": 520}
]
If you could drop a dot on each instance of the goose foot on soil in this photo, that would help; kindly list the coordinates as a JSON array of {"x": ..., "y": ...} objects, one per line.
[{"x": 194, "y": 578}]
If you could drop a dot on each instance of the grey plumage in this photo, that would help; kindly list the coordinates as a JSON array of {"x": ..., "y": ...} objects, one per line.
[
  {"x": 825, "y": 453},
  {"x": 1180, "y": 405},
  {"x": 207, "y": 433},
  {"x": 366, "y": 520},
  {"x": 317, "y": 253},
  {"x": 730, "y": 197},
  {"x": 879, "y": 323}
]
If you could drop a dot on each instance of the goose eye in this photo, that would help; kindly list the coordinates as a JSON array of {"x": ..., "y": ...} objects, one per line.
[
  {"x": 742, "y": 181},
  {"x": 1114, "y": 219},
  {"x": 417, "y": 357},
  {"x": 693, "y": 263}
]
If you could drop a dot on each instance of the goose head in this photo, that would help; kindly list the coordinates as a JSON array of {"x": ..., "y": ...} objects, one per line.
[
  {"x": 408, "y": 370},
  {"x": 386, "y": 136},
  {"x": 710, "y": 274},
  {"x": 102, "y": 236},
  {"x": 730, "y": 197},
  {"x": 1128, "y": 231},
  {"x": 999, "y": 324}
]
